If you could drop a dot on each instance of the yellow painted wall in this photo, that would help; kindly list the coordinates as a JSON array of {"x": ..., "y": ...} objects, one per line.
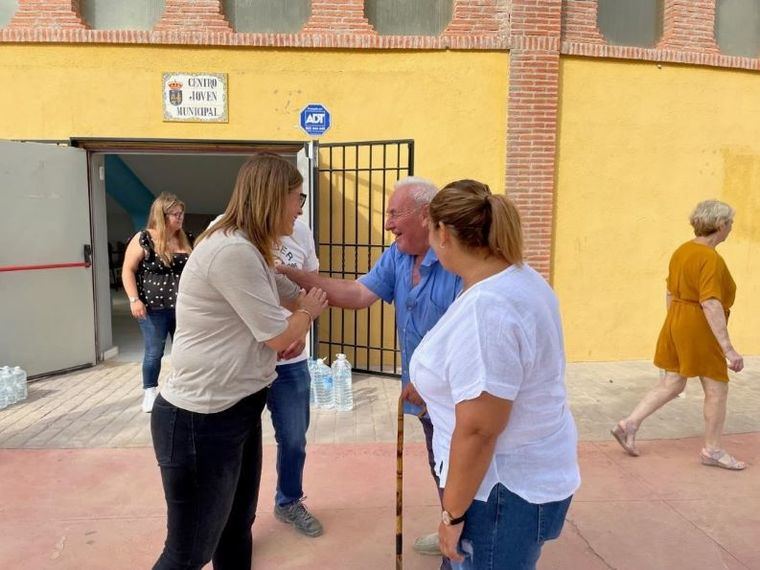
[
  {"x": 453, "y": 104},
  {"x": 639, "y": 146}
]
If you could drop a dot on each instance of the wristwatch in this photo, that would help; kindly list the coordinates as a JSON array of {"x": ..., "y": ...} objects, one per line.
[
  {"x": 134, "y": 299},
  {"x": 448, "y": 520}
]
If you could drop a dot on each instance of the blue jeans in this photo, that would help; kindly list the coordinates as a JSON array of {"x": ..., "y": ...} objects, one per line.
[
  {"x": 288, "y": 402},
  {"x": 155, "y": 327},
  {"x": 211, "y": 470},
  {"x": 507, "y": 532}
]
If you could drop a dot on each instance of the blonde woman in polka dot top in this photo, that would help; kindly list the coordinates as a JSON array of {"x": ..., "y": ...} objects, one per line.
[{"x": 153, "y": 263}]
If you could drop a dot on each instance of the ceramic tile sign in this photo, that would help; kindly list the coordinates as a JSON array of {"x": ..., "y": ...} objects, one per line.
[{"x": 195, "y": 97}]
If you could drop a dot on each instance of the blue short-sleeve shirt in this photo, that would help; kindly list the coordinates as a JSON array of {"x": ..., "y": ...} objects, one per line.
[{"x": 417, "y": 308}]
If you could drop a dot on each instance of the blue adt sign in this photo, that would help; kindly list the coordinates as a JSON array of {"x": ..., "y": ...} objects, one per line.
[{"x": 315, "y": 119}]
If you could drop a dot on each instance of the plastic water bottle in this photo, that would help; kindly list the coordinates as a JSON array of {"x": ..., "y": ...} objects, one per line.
[
  {"x": 5, "y": 385},
  {"x": 21, "y": 389},
  {"x": 324, "y": 385},
  {"x": 12, "y": 386},
  {"x": 311, "y": 363},
  {"x": 344, "y": 394}
]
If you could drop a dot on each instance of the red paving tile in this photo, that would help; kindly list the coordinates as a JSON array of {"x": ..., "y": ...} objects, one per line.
[
  {"x": 673, "y": 470},
  {"x": 103, "y": 508},
  {"x": 732, "y": 522},
  {"x": 636, "y": 535},
  {"x": 605, "y": 475}
]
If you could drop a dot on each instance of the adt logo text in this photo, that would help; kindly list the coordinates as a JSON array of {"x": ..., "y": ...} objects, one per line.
[{"x": 315, "y": 119}]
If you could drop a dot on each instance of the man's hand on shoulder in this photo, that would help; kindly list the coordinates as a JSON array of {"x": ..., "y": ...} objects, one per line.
[{"x": 292, "y": 273}]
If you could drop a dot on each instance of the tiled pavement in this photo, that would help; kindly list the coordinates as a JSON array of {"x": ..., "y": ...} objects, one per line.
[
  {"x": 79, "y": 487},
  {"x": 100, "y": 407}
]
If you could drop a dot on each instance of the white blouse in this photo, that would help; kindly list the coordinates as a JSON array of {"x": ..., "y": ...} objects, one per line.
[{"x": 503, "y": 336}]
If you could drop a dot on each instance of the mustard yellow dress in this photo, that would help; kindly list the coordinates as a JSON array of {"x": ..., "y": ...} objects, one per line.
[{"x": 686, "y": 344}]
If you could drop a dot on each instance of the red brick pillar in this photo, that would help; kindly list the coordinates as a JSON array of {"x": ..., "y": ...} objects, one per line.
[
  {"x": 579, "y": 21},
  {"x": 532, "y": 122},
  {"x": 56, "y": 14},
  {"x": 689, "y": 25},
  {"x": 193, "y": 16},
  {"x": 338, "y": 17}
]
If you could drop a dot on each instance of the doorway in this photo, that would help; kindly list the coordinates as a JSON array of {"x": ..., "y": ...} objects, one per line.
[
  {"x": 125, "y": 178},
  {"x": 132, "y": 181},
  {"x": 62, "y": 296}
]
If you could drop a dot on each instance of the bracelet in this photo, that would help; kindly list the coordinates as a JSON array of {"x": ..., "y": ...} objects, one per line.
[{"x": 308, "y": 314}]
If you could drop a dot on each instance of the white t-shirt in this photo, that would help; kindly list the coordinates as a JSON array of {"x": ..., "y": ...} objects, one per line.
[
  {"x": 296, "y": 250},
  {"x": 503, "y": 336}
]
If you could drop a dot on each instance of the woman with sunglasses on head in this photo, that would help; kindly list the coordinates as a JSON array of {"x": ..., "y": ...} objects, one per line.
[
  {"x": 153, "y": 263},
  {"x": 491, "y": 372}
]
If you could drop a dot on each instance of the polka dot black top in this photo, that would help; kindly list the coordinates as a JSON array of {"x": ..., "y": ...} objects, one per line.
[{"x": 156, "y": 283}]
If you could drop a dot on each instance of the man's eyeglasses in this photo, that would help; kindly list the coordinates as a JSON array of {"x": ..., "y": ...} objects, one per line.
[{"x": 398, "y": 214}]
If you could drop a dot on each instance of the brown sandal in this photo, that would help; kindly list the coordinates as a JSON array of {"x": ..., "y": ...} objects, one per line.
[
  {"x": 722, "y": 459},
  {"x": 626, "y": 438}
]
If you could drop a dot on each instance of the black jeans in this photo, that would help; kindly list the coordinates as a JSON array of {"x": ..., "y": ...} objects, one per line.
[{"x": 211, "y": 470}]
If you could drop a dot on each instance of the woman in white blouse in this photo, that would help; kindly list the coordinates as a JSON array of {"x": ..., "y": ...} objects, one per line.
[{"x": 492, "y": 375}]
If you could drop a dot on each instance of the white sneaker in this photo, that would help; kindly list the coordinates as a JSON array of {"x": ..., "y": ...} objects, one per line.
[
  {"x": 148, "y": 399},
  {"x": 428, "y": 545}
]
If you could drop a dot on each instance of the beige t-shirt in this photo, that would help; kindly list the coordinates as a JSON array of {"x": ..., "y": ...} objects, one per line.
[{"x": 227, "y": 307}]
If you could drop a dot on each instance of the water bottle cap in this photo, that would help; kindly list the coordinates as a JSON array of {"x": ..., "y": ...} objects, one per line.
[{"x": 341, "y": 356}]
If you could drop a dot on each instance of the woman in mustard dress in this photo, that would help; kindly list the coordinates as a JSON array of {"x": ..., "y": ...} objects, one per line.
[{"x": 694, "y": 339}]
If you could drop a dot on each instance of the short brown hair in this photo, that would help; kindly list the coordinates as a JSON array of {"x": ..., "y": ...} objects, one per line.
[
  {"x": 257, "y": 204},
  {"x": 480, "y": 219}
]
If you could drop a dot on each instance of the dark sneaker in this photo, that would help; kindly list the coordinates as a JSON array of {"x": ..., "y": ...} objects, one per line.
[{"x": 297, "y": 515}]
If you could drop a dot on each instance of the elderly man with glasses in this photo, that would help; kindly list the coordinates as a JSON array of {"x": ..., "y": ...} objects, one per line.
[{"x": 408, "y": 275}]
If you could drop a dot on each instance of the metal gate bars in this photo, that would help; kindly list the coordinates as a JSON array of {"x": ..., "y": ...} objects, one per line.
[{"x": 354, "y": 181}]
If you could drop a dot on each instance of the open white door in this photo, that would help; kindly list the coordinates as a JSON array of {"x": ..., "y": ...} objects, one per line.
[
  {"x": 47, "y": 313},
  {"x": 306, "y": 164}
]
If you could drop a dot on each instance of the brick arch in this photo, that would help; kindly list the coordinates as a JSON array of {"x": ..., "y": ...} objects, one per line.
[
  {"x": 338, "y": 17},
  {"x": 50, "y": 14},
  {"x": 479, "y": 17},
  {"x": 689, "y": 25},
  {"x": 194, "y": 16},
  {"x": 579, "y": 21}
]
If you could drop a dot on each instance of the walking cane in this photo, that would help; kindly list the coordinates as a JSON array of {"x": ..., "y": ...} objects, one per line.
[{"x": 400, "y": 486}]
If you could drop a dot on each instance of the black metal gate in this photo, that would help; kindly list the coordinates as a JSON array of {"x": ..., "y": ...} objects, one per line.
[{"x": 353, "y": 182}]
